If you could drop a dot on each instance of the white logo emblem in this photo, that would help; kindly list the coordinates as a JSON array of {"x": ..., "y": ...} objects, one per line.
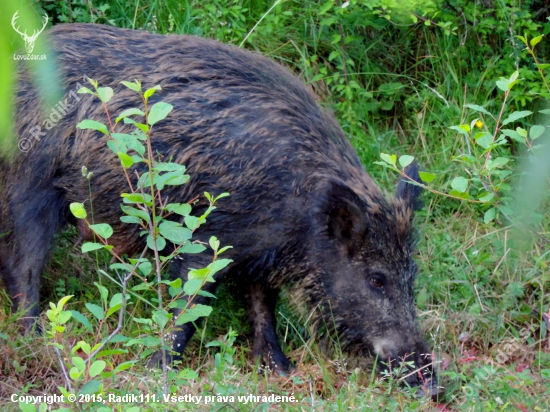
[{"x": 29, "y": 40}]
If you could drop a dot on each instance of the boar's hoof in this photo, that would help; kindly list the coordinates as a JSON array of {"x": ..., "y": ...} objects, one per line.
[
  {"x": 430, "y": 388},
  {"x": 29, "y": 326},
  {"x": 274, "y": 362}
]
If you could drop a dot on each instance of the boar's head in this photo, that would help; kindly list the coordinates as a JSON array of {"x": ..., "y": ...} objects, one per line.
[{"x": 363, "y": 274}]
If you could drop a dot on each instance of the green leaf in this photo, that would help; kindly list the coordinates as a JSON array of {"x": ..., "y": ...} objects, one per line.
[
  {"x": 133, "y": 86},
  {"x": 223, "y": 249},
  {"x": 214, "y": 243},
  {"x": 85, "y": 90},
  {"x": 105, "y": 94},
  {"x": 486, "y": 197},
  {"x": 512, "y": 134},
  {"x": 169, "y": 167},
  {"x": 135, "y": 212},
  {"x": 27, "y": 407},
  {"x": 129, "y": 112},
  {"x": 484, "y": 139},
  {"x": 82, "y": 319},
  {"x": 489, "y": 215},
  {"x": 74, "y": 373},
  {"x": 176, "y": 283},
  {"x": 515, "y": 116},
  {"x": 170, "y": 178},
  {"x": 460, "y": 184},
  {"x": 192, "y": 222},
  {"x": 192, "y": 286},
  {"x": 426, "y": 176},
  {"x": 63, "y": 317},
  {"x": 523, "y": 39},
  {"x": 97, "y": 367},
  {"x": 192, "y": 248},
  {"x": 95, "y": 310},
  {"x": 326, "y": 7},
  {"x": 92, "y": 125},
  {"x": 502, "y": 84},
  {"x": 144, "y": 321},
  {"x": 220, "y": 196},
  {"x": 129, "y": 219},
  {"x": 115, "y": 300},
  {"x": 102, "y": 229},
  {"x": 78, "y": 211},
  {"x": 389, "y": 159},
  {"x": 205, "y": 293},
  {"x": 462, "y": 129},
  {"x": 158, "y": 112},
  {"x": 521, "y": 132},
  {"x": 477, "y": 108},
  {"x": 151, "y": 341},
  {"x": 161, "y": 317},
  {"x": 145, "y": 268},
  {"x": 216, "y": 267},
  {"x": 499, "y": 161},
  {"x": 460, "y": 195},
  {"x": 90, "y": 388},
  {"x": 329, "y": 21},
  {"x": 161, "y": 243},
  {"x": 536, "y": 131},
  {"x": 182, "y": 209},
  {"x": 125, "y": 160},
  {"x": 137, "y": 198},
  {"x": 62, "y": 302},
  {"x": 192, "y": 314},
  {"x": 542, "y": 66},
  {"x": 188, "y": 374},
  {"x": 102, "y": 291},
  {"x": 149, "y": 92},
  {"x": 174, "y": 232},
  {"x": 198, "y": 273},
  {"x": 79, "y": 363},
  {"x": 405, "y": 160},
  {"x": 124, "y": 366},
  {"x": 128, "y": 141},
  {"x": 545, "y": 111},
  {"x": 90, "y": 246},
  {"x": 535, "y": 40}
]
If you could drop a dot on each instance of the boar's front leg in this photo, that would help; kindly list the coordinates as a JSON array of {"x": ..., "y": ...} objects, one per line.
[
  {"x": 35, "y": 215},
  {"x": 260, "y": 302},
  {"x": 181, "y": 335}
]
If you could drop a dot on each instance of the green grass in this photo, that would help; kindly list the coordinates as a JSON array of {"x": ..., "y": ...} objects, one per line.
[{"x": 479, "y": 285}]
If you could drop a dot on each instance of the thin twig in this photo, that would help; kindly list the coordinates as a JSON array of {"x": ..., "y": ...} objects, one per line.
[{"x": 63, "y": 369}]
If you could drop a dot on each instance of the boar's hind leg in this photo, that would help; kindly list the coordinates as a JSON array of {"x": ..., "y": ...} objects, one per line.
[
  {"x": 260, "y": 301},
  {"x": 23, "y": 251}
]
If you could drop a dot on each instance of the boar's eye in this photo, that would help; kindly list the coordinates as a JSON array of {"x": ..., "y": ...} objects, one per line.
[{"x": 377, "y": 282}]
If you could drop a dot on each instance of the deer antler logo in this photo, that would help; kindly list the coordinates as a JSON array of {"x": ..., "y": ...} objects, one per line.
[{"x": 29, "y": 40}]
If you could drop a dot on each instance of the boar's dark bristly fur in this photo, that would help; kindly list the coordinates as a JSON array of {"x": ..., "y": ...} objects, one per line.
[{"x": 302, "y": 210}]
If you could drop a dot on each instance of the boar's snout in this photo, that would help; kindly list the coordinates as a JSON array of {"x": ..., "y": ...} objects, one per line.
[{"x": 420, "y": 374}]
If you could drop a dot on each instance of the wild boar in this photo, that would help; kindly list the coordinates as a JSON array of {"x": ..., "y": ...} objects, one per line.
[{"x": 303, "y": 211}]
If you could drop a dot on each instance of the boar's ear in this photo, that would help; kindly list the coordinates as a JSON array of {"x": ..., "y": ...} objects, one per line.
[
  {"x": 345, "y": 216},
  {"x": 407, "y": 192}
]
